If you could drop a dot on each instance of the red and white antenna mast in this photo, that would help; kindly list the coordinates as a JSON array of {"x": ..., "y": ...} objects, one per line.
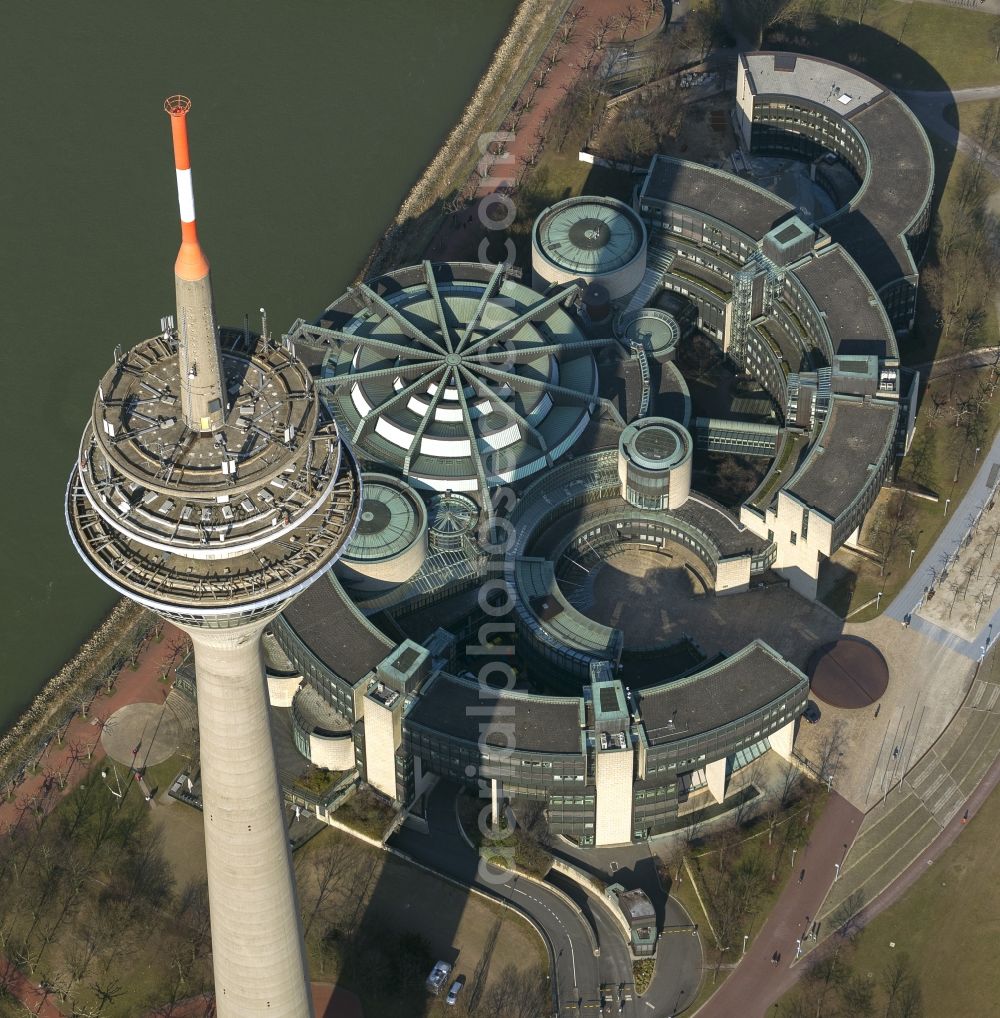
[{"x": 202, "y": 380}]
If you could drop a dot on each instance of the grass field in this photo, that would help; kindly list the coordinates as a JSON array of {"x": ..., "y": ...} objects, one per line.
[
  {"x": 945, "y": 925},
  {"x": 753, "y": 850},
  {"x": 918, "y": 45},
  {"x": 404, "y": 911}
]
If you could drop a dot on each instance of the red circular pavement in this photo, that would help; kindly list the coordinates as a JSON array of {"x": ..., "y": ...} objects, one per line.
[{"x": 849, "y": 673}]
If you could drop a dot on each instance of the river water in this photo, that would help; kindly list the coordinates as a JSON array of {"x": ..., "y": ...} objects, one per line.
[{"x": 310, "y": 122}]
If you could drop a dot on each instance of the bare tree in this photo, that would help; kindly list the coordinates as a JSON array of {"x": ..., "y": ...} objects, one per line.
[
  {"x": 755, "y": 17},
  {"x": 320, "y": 877},
  {"x": 899, "y": 982},
  {"x": 845, "y": 916},
  {"x": 626, "y": 20},
  {"x": 599, "y": 33}
]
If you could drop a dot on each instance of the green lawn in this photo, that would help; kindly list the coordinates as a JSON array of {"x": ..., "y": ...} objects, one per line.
[
  {"x": 948, "y": 451},
  {"x": 946, "y": 925},
  {"x": 756, "y": 849},
  {"x": 919, "y": 45}
]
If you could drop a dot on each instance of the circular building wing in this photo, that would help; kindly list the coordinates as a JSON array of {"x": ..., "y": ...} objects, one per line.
[
  {"x": 390, "y": 542},
  {"x": 458, "y": 378},
  {"x": 599, "y": 240},
  {"x": 654, "y": 463}
]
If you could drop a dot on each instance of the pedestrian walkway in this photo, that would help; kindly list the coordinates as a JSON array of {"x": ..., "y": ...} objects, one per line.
[
  {"x": 914, "y": 811},
  {"x": 80, "y": 746},
  {"x": 947, "y": 545},
  {"x": 453, "y": 237},
  {"x": 757, "y": 982}
]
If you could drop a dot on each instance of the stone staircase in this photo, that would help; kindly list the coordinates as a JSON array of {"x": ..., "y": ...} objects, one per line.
[
  {"x": 658, "y": 262},
  {"x": 933, "y": 784},
  {"x": 984, "y": 696},
  {"x": 185, "y": 710}
]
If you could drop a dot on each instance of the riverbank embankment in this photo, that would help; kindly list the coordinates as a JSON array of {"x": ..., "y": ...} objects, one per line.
[
  {"x": 406, "y": 238},
  {"x": 116, "y": 642}
]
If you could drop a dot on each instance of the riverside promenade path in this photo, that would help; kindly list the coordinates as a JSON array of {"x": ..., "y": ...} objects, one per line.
[
  {"x": 62, "y": 760},
  {"x": 462, "y": 229}
]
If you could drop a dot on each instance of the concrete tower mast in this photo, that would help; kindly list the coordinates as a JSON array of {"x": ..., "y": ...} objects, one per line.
[{"x": 212, "y": 487}]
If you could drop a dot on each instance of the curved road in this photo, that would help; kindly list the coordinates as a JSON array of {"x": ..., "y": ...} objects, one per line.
[{"x": 578, "y": 972}]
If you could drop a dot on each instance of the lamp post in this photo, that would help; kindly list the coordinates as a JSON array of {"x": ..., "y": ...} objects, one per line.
[
  {"x": 878, "y": 601},
  {"x": 975, "y": 458},
  {"x": 909, "y": 564},
  {"x": 836, "y": 875},
  {"x": 746, "y": 937},
  {"x": 947, "y": 502}
]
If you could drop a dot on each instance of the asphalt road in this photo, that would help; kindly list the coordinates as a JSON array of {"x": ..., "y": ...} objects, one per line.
[
  {"x": 679, "y": 954},
  {"x": 578, "y": 972}
]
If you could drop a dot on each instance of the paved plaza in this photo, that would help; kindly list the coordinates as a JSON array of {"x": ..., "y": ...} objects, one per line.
[
  {"x": 147, "y": 733},
  {"x": 915, "y": 806},
  {"x": 911, "y": 601},
  {"x": 875, "y": 745},
  {"x": 655, "y": 599},
  {"x": 967, "y": 581}
]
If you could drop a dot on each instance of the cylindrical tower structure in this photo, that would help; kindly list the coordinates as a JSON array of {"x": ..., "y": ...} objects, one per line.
[
  {"x": 390, "y": 544},
  {"x": 212, "y": 487},
  {"x": 596, "y": 239},
  {"x": 654, "y": 463}
]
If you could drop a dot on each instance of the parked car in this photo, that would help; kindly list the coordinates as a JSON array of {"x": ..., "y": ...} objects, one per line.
[
  {"x": 438, "y": 977},
  {"x": 456, "y": 989}
]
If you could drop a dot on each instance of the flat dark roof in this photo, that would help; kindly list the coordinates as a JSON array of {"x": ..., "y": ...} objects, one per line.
[
  {"x": 853, "y": 438},
  {"x": 852, "y": 310},
  {"x": 335, "y": 632},
  {"x": 729, "y": 198},
  {"x": 901, "y": 165},
  {"x": 457, "y": 707},
  {"x": 900, "y": 171},
  {"x": 741, "y": 684}
]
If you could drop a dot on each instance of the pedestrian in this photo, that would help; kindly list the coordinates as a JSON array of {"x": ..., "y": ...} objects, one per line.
[
  {"x": 774, "y": 959},
  {"x": 802, "y": 876},
  {"x": 877, "y": 709}
]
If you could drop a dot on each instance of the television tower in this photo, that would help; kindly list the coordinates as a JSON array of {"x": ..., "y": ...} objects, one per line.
[{"x": 212, "y": 487}]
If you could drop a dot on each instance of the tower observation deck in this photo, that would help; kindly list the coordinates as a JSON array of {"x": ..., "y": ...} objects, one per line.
[{"x": 212, "y": 487}]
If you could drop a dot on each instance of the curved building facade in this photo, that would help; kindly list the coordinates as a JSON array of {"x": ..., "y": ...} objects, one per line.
[
  {"x": 390, "y": 542},
  {"x": 594, "y": 239},
  {"x": 814, "y": 109},
  {"x": 600, "y": 462},
  {"x": 455, "y": 376},
  {"x": 654, "y": 463}
]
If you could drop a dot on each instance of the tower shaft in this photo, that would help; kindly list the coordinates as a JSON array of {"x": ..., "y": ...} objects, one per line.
[
  {"x": 257, "y": 947},
  {"x": 216, "y": 528}
]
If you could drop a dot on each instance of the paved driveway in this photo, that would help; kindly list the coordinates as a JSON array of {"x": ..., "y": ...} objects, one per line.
[{"x": 578, "y": 972}]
